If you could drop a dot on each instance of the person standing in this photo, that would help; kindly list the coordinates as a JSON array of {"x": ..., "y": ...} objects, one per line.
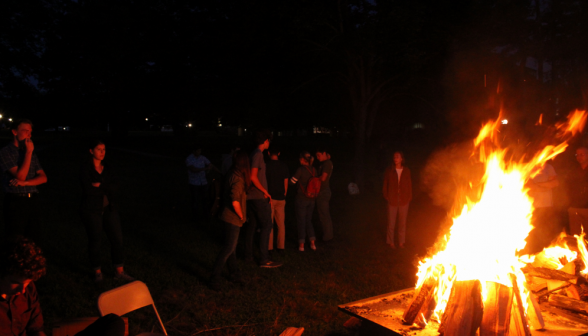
[
  {"x": 100, "y": 212},
  {"x": 22, "y": 173},
  {"x": 197, "y": 165},
  {"x": 544, "y": 219},
  {"x": 259, "y": 204},
  {"x": 233, "y": 216},
  {"x": 277, "y": 181},
  {"x": 304, "y": 203},
  {"x": 322, "y": 201},
  {"x": 578, "y": 193},
  {"x": 397, "y": 191}
]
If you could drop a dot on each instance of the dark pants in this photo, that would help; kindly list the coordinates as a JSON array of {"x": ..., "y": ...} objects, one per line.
[
  {"x": 107, "y": 325},
  {"x": 546, "y": 229},
  {"x": 322, "y": 205},
  {"x": 227, "y": 254},
  {"x": 108, "y": 221},
  {"x": 22, "y": 215},
  {"x": 259, "y": 212},
  {"x": 304, "y": 208},
  {"x": 199, "y": 195}
]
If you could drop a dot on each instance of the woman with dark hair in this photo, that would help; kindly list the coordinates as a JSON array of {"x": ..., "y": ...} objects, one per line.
[
  {"x": 398, "y": 192},
  {"x": 233, "y": 215},
  {"x": 303, "y": 204},
  {"x": 100, "y": 211}
]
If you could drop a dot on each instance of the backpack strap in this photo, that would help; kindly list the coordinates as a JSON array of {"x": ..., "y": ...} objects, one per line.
[{"x": 311, "y": 172}]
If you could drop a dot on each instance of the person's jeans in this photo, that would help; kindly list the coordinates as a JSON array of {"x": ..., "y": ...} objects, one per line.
[
  {"x": 322, "y": 205},
  {"x": 401, "y": 212},
  {"x": 259, "y": 211},
  {"x": 279, "y": 216},
  {"x": 199, "y": 195},
  {"x": 108, "y": 220},
  {"x": 578, "y": 218},
  {"x": 304, "y": 207},
  {"x": 227, "y": 254},
  {"x": 22, "y": 215}
]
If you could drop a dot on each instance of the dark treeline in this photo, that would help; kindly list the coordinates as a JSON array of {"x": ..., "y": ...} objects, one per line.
[{"x": 372, "y": 69}]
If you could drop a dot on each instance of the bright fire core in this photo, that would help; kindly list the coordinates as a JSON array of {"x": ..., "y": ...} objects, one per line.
[{"x": 484, "y": 239}]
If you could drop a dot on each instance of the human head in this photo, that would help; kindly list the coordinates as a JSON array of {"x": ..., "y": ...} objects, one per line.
[
  {"x": 241, "y": 164},
  {"x": 322, "y": 153},
  {"x": 196, "y": 150},
  {"x": 582, "y": 156},
  {"x": 97, "y": 149},
  {"x": 22, "y": 129},
  {"x": 274, "y": 150},
  {"x": 305, "y": 158},
  {"x": 398, "y": 158},
  {"x": 21, "y": 262},
  {"x": 262, "y": 139}
]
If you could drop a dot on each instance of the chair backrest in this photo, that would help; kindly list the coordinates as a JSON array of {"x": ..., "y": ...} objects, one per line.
[{"x": 127, "y": 298}]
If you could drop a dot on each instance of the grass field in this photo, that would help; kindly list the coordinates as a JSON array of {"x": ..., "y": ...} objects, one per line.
[{"x": 174, "y": 257}]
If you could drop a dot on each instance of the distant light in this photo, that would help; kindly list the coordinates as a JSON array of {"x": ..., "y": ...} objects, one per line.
[
  {"x": 10, "y": 119},
  {"x": 189, "y": 125},
  {"x": 146, "y": 119},
  {"x": 0, "y": 116},
  {"x": 504, "y": 121},
  {"x": 245, "y": 130},
  {"x": 220, "y": 125}
]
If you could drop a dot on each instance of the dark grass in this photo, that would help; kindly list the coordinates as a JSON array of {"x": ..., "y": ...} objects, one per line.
[{"x": 174, "y": 257}]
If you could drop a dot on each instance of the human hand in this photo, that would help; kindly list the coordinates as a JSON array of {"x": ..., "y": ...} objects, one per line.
[
  {"x": 96, "y": 184},
  {"x": 29, "y": 145},
  {"x": 266, "y": 195},
  {"x": 17, "y": 183}
]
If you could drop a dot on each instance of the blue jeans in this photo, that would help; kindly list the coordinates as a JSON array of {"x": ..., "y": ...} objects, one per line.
[
  {"x": 402, "y": 213},
  {"x": 259, "y": 212},
  {"x": 304, "y": 208},
  {"x": 227, "y": 254},
  {"x": 108, "y": 221},
  {"x": 322, "y": 205}
]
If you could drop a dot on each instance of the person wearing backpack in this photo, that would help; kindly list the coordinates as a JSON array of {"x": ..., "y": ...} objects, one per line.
[
  {"x": 309, "y": 186},
  {"x": 397, "y": 191},
  {"x": 323, "y": 198}
]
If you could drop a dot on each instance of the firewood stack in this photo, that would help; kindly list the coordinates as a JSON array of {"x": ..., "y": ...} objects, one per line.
[{"x": 563, "y": 291}]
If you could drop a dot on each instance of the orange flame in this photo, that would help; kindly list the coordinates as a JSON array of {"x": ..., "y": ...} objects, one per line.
[{"x": 484, "y": 239}]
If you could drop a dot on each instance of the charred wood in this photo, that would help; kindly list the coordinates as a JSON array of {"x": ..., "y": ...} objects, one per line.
[
  {"x": 497, "y": 310},
  {"x": 463, "y": 314},
  {"x": 422, "y": 297},
  {"x": 548, "y": 273},
  {"x": 568, "y": 303}
]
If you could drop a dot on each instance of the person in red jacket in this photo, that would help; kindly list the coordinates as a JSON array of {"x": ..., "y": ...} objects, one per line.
[{"x": 398, "y": 193}]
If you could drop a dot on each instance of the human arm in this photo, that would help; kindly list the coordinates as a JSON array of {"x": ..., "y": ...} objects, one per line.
[
  {"x": 39, "y": 178},
  {"x": 238, "y": 210},
  {"x": 257, "y": 183},
  {"x": 285, "y": 186}
]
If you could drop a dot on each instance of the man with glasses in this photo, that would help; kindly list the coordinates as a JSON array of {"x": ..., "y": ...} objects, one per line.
[{"x": 578, "y": 193}]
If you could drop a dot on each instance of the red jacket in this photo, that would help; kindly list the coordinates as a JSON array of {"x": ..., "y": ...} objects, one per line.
[{"x": 397, "y": 194}]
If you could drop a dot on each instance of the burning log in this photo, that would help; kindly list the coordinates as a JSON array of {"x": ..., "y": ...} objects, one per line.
[
  {"x": 547, "y": 292},
  {"x": 464, "y": 310},
  {"x": 518, "y": 320},
  {"x": 547, "y": 273},
  {"x": 534, "y": 313},
  {"x": 569, "y": 303},
  {"x": 421, "y": 300},
  {"x": 537, "y": 287},
  {"x": 497, "y": 309},
  {"x": 573, "y": 292}
]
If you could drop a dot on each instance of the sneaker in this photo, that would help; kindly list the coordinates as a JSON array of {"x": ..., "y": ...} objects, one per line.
[
  {"x": 313, "y": 247},
  {"x": 301, "y": 248},
  {"x": 123, "y": 277},
  {"x": 270, "y": 264}
]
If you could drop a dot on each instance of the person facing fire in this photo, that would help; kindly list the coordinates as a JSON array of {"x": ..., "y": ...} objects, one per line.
[
  {"x": 21, "y": 264},
  {"x": 397, "y": 191},
  {"x": 578, "y": 193},
  {"x": 22, "y": 173},
  {"x": 544, "y": 219}
]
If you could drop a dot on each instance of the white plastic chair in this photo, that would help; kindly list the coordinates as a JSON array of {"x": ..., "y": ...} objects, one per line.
[{"x": 127, "y": 298}]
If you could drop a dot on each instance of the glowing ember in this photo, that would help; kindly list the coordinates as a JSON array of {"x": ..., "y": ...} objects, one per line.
[{"x": 484, "y": 240}]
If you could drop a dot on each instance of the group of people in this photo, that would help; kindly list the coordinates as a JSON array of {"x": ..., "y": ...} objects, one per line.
[
  {"x": 254, "y": 197},
  {"x": 21, "y": 260}
]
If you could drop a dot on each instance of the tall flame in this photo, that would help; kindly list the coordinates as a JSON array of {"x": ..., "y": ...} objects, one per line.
[{"x": 484, "y": 239}]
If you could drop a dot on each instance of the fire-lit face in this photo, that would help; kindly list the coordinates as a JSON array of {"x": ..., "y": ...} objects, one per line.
[
  {"x": 11, "y": 285},
  {"x": 321, "y": 156},
  {"x": 23, "y": 132},
  {"x": 582, "y": 156},
  {"x": 398, "y": 159},
  {"x": 98, "y": 152}
]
